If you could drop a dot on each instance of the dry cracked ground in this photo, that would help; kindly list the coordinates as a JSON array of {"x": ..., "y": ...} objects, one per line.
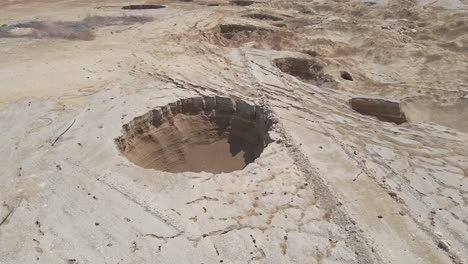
[{"x": 233, "y": 131}]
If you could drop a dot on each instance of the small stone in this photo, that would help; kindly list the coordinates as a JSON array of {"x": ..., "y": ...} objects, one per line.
[
  {"x": 133, "y": 247},
  {"x": 444, "y": 245},
  {"x": 393, "y": 195}
]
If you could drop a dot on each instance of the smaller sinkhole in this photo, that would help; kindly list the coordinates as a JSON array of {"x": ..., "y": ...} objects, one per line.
[
  {"x": 261, "y": 16},
  {"x": 383, "y": 110},
  {"x": 346, "y": 75},
  {"x": 242, "y": 2}
]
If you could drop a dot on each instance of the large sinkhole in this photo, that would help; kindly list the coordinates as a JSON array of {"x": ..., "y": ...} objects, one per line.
[{"x": 211, "y": 134}]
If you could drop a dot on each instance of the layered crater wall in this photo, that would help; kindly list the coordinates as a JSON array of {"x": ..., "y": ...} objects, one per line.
[{"x": 211, "y": 134}]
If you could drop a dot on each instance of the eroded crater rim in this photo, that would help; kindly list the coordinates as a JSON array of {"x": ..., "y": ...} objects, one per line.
[{"x": 208, "y": 133}]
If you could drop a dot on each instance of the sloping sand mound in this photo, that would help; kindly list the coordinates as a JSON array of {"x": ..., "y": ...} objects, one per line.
[{"x": 444, "y": 111}]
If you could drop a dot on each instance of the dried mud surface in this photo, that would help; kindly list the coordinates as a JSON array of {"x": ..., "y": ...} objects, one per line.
[{"x": 88, "y": 133}]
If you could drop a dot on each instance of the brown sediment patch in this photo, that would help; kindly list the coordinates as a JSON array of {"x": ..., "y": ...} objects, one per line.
[
  {"x": 381, "y": 109},
  {"x": 139, "y": 7},
  {"x": 212, "y": 134},
  {"x": 77, "y": 30},
  {"x": 305, "y": 69}
]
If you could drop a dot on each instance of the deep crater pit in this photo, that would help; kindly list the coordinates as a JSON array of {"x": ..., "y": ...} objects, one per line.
[{"x": 212, "y": 134}]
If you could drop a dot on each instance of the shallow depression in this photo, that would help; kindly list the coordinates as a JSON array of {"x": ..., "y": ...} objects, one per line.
[
  {"x": 139, "y": 7},
  {"x": 307, "y": 70},
  {"x": 383, "y": 110},
  {"x": 212, "y": 134}
]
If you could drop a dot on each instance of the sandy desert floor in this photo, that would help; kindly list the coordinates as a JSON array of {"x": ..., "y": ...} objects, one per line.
[{"x": 212, "y": 131}]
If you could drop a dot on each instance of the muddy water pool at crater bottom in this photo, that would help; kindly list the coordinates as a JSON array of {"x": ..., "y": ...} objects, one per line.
[{"x": 215, "y": 157}]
